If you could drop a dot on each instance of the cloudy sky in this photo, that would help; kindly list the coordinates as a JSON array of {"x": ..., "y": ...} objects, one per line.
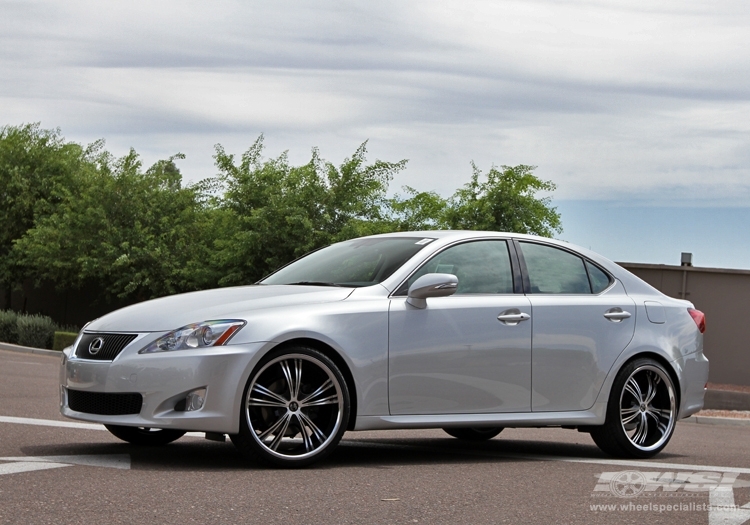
[{"x": 639, "y": 111}]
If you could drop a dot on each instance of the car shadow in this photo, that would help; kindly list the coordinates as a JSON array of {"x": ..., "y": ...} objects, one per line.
[{"x": 195, "y": 455}]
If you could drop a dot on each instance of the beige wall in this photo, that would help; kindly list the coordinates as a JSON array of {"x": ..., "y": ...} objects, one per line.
[{"x": 724, "y": 296}]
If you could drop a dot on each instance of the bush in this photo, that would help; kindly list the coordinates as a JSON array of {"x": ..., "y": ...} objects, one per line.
[
  {"x": 63, "y": 340},
  {"x": 8, "y": 326},
  {"x": 36, "y": 331}
]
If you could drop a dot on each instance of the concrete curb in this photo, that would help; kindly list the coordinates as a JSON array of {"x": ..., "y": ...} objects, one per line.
[
  {"x": 709, "y": 420},
  {"x": 726, "y": 400},
  {"x": 28, "y": 350}
]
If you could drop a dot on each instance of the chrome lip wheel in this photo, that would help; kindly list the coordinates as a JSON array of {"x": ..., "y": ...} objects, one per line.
[
  {"x": 648, "y": 408},
  {"x": 294, "y": 406}
]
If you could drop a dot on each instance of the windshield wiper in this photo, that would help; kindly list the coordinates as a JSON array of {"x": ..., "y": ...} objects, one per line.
[{"x": 315, "y": 283}]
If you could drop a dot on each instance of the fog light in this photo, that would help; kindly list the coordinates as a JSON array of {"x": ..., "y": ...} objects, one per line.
[{"x": 195, "y": 399}]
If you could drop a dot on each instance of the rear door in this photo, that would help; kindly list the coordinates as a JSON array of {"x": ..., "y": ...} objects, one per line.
[{"x": 582, "y": 319}]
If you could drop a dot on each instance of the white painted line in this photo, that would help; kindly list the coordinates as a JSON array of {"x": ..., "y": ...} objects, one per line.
[
  {"x": 68, "y": 424},
  {"x": 28, "y": 466},
  {"x": 119, "y": 461},
  {"x": 50, "y": 423}
]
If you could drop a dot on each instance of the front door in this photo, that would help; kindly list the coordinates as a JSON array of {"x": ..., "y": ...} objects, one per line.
[{"x": 455, "y": 356}]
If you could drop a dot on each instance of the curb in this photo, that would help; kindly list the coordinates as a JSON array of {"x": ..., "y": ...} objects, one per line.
[
  {"x": 28, "y": 350},
  {"x": 709, "y": 420}
]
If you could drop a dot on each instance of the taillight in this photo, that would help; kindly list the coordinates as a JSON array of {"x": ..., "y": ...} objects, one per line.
[{"x": 699, "y": 318}]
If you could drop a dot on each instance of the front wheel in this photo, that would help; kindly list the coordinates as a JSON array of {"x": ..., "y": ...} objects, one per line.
[
  {"x": 641, "y": 412},
  {"x": 147, "y": 437},
  {"x": 295, "y": 409},
  {"x": 473, "y": 434}
]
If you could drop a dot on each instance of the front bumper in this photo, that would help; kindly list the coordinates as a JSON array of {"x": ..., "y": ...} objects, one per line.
[{"x": 164, "y": 379}]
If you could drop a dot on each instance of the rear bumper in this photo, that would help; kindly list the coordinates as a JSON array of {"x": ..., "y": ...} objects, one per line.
[{"x": 693, "y": 372}]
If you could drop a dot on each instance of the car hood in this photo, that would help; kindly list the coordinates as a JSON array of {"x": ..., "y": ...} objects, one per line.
[{"x": 170, "y": 313}]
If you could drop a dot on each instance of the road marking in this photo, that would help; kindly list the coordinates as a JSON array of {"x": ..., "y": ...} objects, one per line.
[
  {"x": 50, "y": 423},
  {"x": 119, "y": 461},
  {"x": 722, "y": 510},
  {"x": 18, "y": 464},
  {"x": 68, "y": 424},
  {"x": 27, "y": 466}
]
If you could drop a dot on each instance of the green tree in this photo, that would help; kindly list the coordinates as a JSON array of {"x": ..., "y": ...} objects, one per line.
[
  {"x": 38, "y": 168},
  {"x": 134, "y": 233},
  {"x": 506, "y": 201},
  {"x": 278, "y": 212},
  {"x": 424, "y": 210}
]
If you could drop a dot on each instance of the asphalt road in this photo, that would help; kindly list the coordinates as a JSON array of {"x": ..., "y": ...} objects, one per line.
[{"x": 82, "y": 474}]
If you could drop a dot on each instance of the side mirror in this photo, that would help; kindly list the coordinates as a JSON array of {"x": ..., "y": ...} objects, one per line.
[{"x": 431, "y": 285}]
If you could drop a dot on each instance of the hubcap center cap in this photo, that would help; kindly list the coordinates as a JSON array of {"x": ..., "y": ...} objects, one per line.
[
  {"x": 293, "y": 406},
  {"x": 643, "y": 407}
]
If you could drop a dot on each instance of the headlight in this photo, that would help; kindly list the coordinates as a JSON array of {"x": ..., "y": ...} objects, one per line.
[{"x": 198, "y": 335}]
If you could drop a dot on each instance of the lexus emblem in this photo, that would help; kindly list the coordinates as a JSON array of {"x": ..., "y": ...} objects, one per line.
[{"x": 96, "y": 345}]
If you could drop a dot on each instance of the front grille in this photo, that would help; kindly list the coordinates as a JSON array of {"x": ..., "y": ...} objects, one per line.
[
  {"x": 104, "y": 404},
  {"x": 103, "y": 347}
]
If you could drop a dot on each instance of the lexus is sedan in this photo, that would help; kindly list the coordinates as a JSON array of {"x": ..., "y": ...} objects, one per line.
[{"x": 471, "y": 332}]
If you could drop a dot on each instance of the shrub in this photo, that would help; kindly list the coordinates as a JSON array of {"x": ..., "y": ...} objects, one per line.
[
  {"x": 63, "y": 340},
  {"x": 36, "y": 331},
  {"x": 8, "y": 326}
]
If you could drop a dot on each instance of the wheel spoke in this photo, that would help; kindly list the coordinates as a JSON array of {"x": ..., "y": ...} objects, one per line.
[
  {"x": 628, "y": 414},
  {"x": 305, "y": 420},
  {"x": 653, "y": 383},
  {"x": 632, "y": 387},
  {"x": 312, "y": 401},
  {"x": 283, "y": 420},
  {"x": 292, "y": 378},
  {"x": 660, "y": 425},
  {"x": 306, "y": 438},
  {"x": 280, "y": 435},
  {"x": 642, "y": 430},
  {"x": 254, "y": 402},
  {"x": 260, "y": 389}
]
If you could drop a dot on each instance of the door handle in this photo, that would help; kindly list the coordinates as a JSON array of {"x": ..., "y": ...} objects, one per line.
[
  {"x": 513, "y": 316},
  {"x": 616, "y": 315}
]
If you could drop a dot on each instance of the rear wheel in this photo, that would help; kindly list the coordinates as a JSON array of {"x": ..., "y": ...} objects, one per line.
[
  {"x": 145, "y": 436},
  {"x": 473, "y": 434},
  {"x": 641, "y": 412},
  {"x": 295, "y": 409}
]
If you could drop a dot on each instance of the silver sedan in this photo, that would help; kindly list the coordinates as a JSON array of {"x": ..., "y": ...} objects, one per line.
[{"x": 471, "y": 332}]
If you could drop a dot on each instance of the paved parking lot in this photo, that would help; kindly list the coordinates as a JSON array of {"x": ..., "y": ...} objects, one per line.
[{"x": 79, "y": 473}]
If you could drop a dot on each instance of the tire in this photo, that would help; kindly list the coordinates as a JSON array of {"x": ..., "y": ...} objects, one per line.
[
  {"x": 147, "y": 437},
  {"x": 641, "y": 412},
  {"x": 473, "y": 434},
  {"x": 295, "y": 409}
]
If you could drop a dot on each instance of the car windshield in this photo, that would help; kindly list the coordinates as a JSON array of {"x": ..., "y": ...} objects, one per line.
[{"x": 355, "y": 263}]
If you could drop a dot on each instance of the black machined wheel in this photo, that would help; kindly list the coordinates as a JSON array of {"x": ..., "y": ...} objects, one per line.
[
  {"x": 473, "y": 434},
  {"x": 641, "y": 413},
  {"x": 295, "y": 409},
  {"x": 150, "y": 437}
]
